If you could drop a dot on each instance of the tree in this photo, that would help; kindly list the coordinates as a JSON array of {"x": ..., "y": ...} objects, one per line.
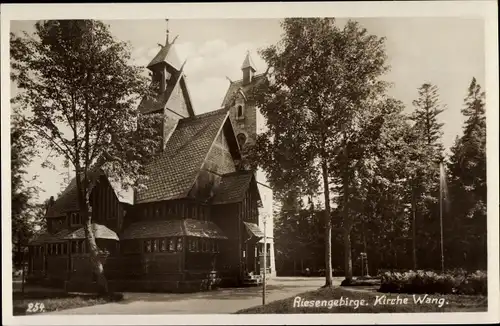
[
  {"x": 467, "y": 168},
  {"x": 81, "y": 93},
  {"x": 427, "y": 108},
  {"x": 424, "y": 173},
  {"x": 24, "y": 211},
  {"x": 321, "y": 77}
]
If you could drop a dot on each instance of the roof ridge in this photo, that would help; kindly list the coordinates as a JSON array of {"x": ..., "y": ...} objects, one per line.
[
  {"x": 262, "y": 74},
  {"x": 239, "y": 172},
  {"x": 205, "y": 115}
]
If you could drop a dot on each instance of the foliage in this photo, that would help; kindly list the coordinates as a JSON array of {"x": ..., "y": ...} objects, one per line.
[
  {"x": 467, "y": 168},
  {"x": 451, "y": 282},
  {"x": 427, "y": 109},
  {"x": 81, "y": 92},
  {"x": 26, "y": 214},
  {"x": 324, "y": 80}
]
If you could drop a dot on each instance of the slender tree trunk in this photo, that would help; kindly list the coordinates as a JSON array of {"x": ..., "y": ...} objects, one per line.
[
  {"x": 366, "y": 253},
  {"x": 328, "y": 225},
  {"x": 95, "y": 259},
  {"x": 347, "y": 228},
  {"x": 414, "y": 229},
  {"x": 347, "y": 256}
]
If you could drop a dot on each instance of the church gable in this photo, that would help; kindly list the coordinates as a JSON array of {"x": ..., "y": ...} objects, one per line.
[
  {"x": 222, "y": 158},
  {"x": 173, "y": 173},
  {"x": 177, "y": 100},
  {"x": 219, "y": 159}
]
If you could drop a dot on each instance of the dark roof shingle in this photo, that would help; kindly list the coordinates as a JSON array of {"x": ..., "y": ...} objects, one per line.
[
  {"x": 173, "y": 173},
  {"x": 254, "y": 230},
  {"x": 50, "y": 237},
  {"x": 232, "y": 187},
  {"x": 99, "y": 231},
  {"x": 172, "y": 228},
  {"x": 166, "y": 54}
]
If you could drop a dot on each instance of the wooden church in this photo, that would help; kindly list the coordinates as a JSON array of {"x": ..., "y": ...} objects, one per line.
[{"x": 196, "y": 223}]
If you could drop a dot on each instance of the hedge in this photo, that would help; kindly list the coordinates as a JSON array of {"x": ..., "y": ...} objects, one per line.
[{"x": 451, "y": 282}]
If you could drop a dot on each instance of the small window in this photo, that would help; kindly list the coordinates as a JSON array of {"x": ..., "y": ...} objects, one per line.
[
  {"x": 179, "y": 244},
  {"x": 195, "y": 212},
  {"x": 163, "y": 245},
  {"x": 242, "y": 139},
  {"x": 171, "y": 246},
  {"x": 147, "y": 246},
  {"x": 240, "y": 111},
  {"x": 155, "y": 245}
]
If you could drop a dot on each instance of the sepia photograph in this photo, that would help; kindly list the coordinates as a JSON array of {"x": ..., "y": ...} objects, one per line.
[{"x": 172, "y": 165}]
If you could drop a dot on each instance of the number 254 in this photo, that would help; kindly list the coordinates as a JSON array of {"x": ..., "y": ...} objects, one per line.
[{"x": 35, "y": 307}]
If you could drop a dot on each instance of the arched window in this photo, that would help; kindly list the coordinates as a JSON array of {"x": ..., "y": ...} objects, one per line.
[
  {"x": 242, "y": 139},
  {"x": 240, "y": 111}
]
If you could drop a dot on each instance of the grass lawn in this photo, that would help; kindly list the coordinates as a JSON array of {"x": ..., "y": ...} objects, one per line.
[
  {"x": 31, "y": 303},
  {"x": 342, "y": 300}
]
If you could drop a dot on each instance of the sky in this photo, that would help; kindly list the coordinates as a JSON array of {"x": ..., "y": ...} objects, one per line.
[{"x": 447, "y": 52}]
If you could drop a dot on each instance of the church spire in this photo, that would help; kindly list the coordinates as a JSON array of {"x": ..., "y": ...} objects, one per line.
[
  {"x": 248, "y": 63},
  {"x": 248, "y": 69}
]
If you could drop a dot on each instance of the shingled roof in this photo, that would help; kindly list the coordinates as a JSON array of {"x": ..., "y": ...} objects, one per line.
[
  {"x": 172, "y": 228},
  {"x": 50, "y": 237},
  {"x": 173, "y": 173},
  {"x": 168, "y": 55},
  {"x": 238, "y": 85},
  {"x": 233, "y": 186},
  {"x": 99, "y": 231}
]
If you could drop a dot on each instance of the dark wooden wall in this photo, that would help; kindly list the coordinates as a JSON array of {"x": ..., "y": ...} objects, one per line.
[{"x": 106, "y": 208}]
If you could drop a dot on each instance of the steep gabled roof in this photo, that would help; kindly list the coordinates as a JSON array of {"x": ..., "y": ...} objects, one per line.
[
  {"x": 173, "y": 173},
  {"x": 233, "y": 186},
  {"x": 68, "y": 200},
  {"x": 167, "y": 54},
  {"x": 238, "y": 86}
]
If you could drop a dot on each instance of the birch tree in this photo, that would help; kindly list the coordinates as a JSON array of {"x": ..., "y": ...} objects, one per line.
[{"x": 79, "y": 93}]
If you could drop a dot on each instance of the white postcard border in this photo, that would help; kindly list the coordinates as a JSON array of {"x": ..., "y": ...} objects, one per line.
[{"x": 485, "y": 9}]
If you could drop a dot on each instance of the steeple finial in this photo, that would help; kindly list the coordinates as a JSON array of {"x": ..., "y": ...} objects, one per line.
[{"x": 166, "y": 41}]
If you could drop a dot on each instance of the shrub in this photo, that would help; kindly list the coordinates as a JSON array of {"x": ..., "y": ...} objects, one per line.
[{"x": 451, "y": 282}]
